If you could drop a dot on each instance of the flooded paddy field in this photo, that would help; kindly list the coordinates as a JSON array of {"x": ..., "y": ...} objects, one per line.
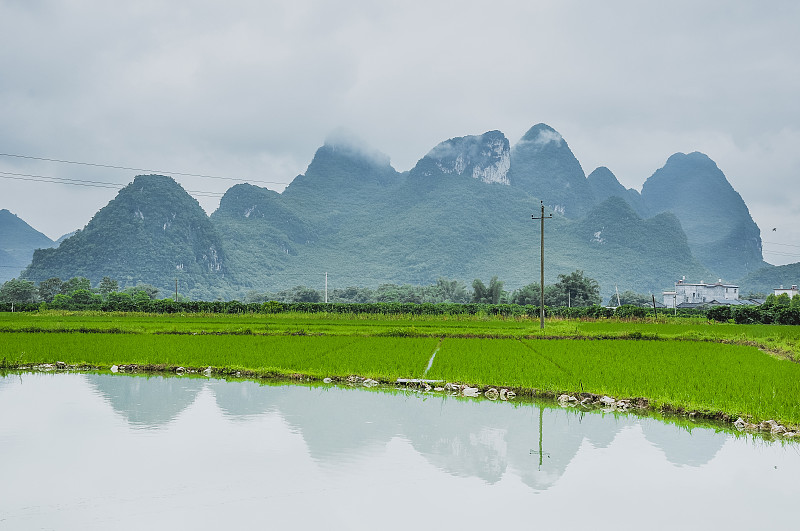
[{"x": 101, "y": 451}]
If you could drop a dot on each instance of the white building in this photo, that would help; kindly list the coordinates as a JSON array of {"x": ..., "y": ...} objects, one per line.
[
  {"x": 700, "y": 293},
  {"x": 791, "y": 292}
]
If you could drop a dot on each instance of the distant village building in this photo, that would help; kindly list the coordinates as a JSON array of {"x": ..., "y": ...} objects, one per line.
[
  {"x": 691, "y": 295},
  {"x": 791, "y": 292}
]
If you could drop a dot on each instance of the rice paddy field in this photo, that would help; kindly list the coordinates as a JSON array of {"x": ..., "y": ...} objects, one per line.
[{"x": 737, "y": 370}]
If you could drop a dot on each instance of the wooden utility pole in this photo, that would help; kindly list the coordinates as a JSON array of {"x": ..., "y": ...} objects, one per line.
[{"x": 542, "y": 217}]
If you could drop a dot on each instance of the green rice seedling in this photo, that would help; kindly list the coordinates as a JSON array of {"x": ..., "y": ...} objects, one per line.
[
  {"x": 313, "y": 355},
  {"x": 733, "y": 379}
]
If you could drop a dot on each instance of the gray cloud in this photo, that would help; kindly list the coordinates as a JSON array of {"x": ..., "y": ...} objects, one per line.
[{"x": 250, "y": 89}]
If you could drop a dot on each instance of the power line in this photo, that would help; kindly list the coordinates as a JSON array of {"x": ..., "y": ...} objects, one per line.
[
  {"x": 84, "y": 182},
  {"x": 782, "y": 244},
  {"x": 115, "y": 167},
  {"x": 778, "y": 253},
  {"x": 57, "y": 180}
]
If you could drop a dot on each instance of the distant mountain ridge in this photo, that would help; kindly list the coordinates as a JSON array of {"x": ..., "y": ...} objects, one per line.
[
  {"x": 18, "y": 240},
  {"x": 464, "y": 212}
]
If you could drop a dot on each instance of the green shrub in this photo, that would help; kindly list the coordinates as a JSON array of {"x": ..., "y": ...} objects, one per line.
[{"x": 719, "y": 313}]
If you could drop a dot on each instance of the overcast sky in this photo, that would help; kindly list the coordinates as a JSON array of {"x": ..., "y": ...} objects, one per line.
[{"x": 250, "y": 89}]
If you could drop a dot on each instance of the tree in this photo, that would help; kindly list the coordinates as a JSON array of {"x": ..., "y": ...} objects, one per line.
[
  {"x": 494, "y": 294},
  {"x": 49, "y": 288},
  {"x": 496, "y": 291},
  {"x": 776, "y": 302},
  {"x": 352, "y": 294},
  {"x": 479, "y": 291},
  {"x": 530, "y": 294},
  {"x": 631, "y": 298},
  {"x": 783, "y": 301},
  {"x": 141, "y": 299},
  {"x": 575, "y": 289},
  {"x": 395, "y": 293},
  {"x": 83, "y": 299},
  {"x": 256, "y": 296},
  {"x": 446, "y": 291},
  {"x": 18, "y": 291},
  {"x": 120, "y": 302},
  {"x": 304, "y": 294},
  {"x": 107, "y": 286},
  {"x": 74, "y": 284},
  {"x": 62, "y": 301},
  {"x": 147, "y": 289}
]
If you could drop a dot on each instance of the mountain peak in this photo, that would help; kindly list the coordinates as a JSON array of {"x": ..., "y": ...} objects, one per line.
[
  {"x": 344, "y": 142},
  {"x": 545, "y": 167},
  {"x": 695, "y": 159},
  {"x": 541, "y": 135},
  {"x": 605, "y": 177},
  {"x": 718, "y": 224},
  {"x": 485, "y": 157}
]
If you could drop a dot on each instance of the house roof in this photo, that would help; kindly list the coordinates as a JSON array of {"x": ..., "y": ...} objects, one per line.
[{"x": 705, "y": 284}]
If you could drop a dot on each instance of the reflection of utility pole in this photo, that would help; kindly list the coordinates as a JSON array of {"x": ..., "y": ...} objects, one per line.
[
  {"x": 541, "y": 416},
  {"x": 326, "y": 287},
  {"x": 541, "y": 430},
  {"x": 541, "y": 284}
]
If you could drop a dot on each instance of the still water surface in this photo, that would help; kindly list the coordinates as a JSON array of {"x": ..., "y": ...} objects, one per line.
[{"x": 102, "y": 451}]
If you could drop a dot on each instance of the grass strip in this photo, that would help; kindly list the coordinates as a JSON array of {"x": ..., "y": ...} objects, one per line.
[{"x": 319, "y": 356}]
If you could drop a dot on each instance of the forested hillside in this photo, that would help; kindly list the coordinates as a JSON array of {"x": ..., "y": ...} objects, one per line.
[{"x": 153, "y": 232}]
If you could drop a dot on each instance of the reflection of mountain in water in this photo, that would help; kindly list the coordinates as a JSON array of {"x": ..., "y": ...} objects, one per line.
[
  {"x": 146, "y": 401},
  {"x": 682, "y": 446},
  {"x": 463, "y": 437},
  {"x": 563, "y": 431},
  {"x": 245, "y": 398}
]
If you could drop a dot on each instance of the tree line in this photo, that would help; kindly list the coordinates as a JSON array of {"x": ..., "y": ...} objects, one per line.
[
  {"x": 75, "y": 293},
  {"x": 575, "y": 289}
]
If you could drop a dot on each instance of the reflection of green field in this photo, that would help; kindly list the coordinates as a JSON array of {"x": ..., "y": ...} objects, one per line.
[{"x": 701, "y": 374}]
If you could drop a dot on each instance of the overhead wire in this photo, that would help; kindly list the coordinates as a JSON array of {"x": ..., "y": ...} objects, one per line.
[
  {"x": 85, "y": 182},
  {"x": 781, "y": 244},
  {"x": 116, "y": 167}
]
